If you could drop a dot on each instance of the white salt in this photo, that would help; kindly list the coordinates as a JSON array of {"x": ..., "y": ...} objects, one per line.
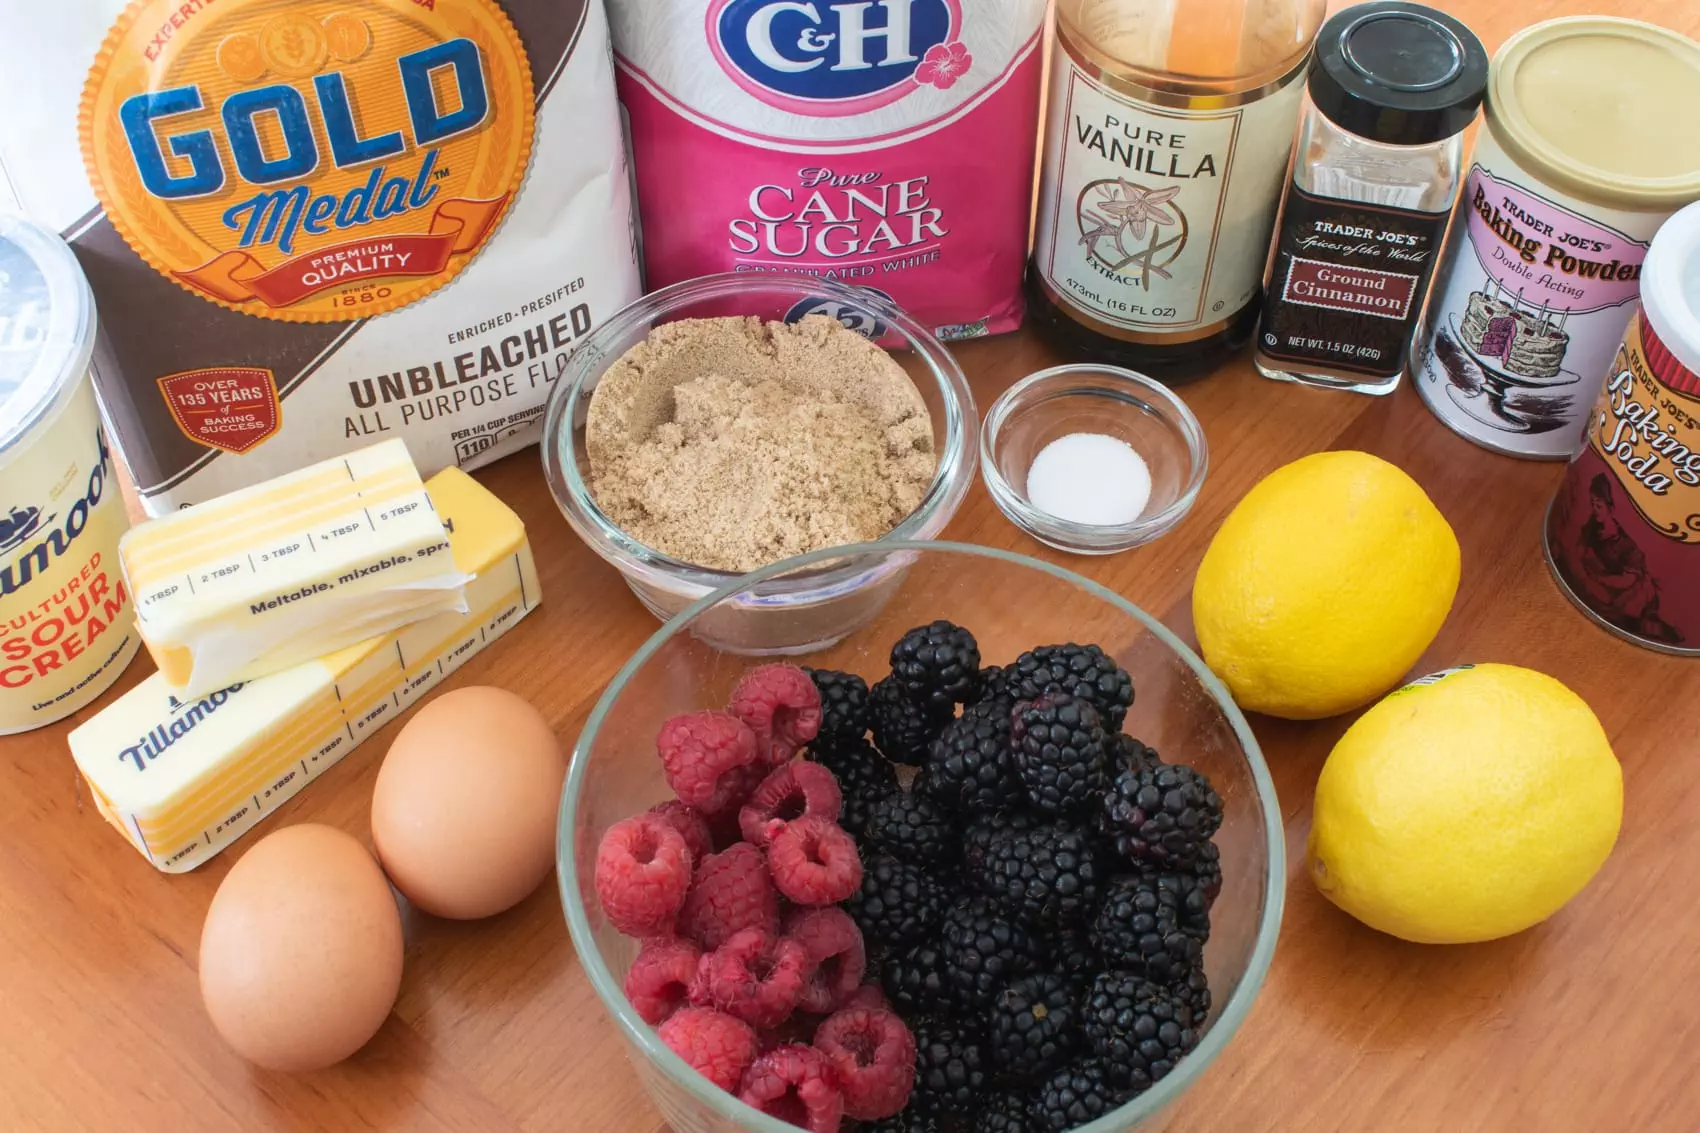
[{"x": 1089, "y": 478}]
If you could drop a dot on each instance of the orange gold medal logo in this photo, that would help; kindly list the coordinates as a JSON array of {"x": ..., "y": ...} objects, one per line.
[{"x": 328, "y": 160}]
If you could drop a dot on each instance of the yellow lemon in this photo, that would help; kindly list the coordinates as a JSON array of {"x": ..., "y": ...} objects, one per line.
[
  {"x": 1466, "y": 806},
  {"x": 1324, "y": 586}
]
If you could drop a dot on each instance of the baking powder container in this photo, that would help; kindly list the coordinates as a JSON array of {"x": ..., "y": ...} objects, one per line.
[
  {"x": 1591, "y": 143},
  {"x": 67, "y": 625},
  {"x": 1623, "y": 533}
]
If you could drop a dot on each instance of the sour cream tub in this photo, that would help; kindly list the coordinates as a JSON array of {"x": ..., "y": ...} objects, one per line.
[{"x": 67, "y": 624}]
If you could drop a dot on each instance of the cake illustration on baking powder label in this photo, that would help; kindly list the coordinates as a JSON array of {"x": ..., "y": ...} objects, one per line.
[
  {"x": 1532, "y": 309},
  {"x": 1529, "y": 344}
]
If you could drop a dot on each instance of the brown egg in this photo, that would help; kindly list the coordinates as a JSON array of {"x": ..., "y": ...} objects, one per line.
[
  {"x": 463, "y": 814},
  {"x": 301, "y": 950}
]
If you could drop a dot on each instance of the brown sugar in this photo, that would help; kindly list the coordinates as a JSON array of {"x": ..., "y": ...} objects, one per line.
[{"x": 731, "y": 443}]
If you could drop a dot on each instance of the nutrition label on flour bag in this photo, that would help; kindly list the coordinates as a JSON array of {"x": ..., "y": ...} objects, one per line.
[{"x": 316, "y": 226}]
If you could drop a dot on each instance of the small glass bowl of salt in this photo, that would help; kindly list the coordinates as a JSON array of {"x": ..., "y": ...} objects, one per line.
[{"x": 1092, "y": 459}]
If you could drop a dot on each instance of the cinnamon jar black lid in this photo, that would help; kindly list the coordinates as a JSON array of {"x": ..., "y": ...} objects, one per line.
[{"x": 1403, "y": 74}]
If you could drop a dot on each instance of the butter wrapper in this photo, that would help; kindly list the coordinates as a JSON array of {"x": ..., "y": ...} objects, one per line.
[
  {"x": 182, "y": 777},
  {"x": 265, "y": 578}
]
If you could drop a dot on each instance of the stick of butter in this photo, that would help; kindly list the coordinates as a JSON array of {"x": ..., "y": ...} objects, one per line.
[
  {"x": 262, "y": 579},
  {"x": 182, "y": 778}
]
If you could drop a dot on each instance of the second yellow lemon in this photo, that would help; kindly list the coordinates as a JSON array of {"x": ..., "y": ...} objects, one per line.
[{"x": 1324, "y": 585}]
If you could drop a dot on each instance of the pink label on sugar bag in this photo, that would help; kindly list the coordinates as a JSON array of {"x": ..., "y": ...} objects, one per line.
[
  {"x": 937, "y": 222},
  {"x": 1548, "y": 253}
]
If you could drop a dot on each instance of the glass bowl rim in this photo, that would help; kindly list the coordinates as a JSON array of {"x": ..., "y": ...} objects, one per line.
[
  {"x": 726, "y": 1106},
  {"x": 1019, "y": 509},
  {"x": 574, "y": 499}
]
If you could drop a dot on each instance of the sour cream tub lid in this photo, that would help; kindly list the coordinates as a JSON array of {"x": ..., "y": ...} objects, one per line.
[
  {"x": 47, "y": 326},
  {"x": 1602, "y": 108}
]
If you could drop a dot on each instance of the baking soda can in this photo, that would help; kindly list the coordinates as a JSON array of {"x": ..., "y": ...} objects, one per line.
[
  {"x": 67, "y": 625},
  {"x": 1590, "y": 144},
  {"x": 1623, "y": 533}
]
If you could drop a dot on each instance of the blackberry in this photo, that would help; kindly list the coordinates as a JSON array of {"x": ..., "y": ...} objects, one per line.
[
  {"x": 1048, "y": 875},
  {"x": 903, "y": 728},
  {"x": 912, "y": 828},
  {"x": 1193, "y": 905},
  {"x": 1194, "y": 990},
  {"x": 864, "y": 778},
  {"x": 908, "y": 1120},
  {"x": 937, "y": 665},
  {"x": 984, "y": 950},
  {"x": 1074, "y": 958},
  {"x": 951, "y": 1069},
  {"x": 1059, "y": 752},
  {"x": 990, "y": 684},
  {"x": 1139, "y": 1028},
  {"x": 1139, "y": 928},
  {"x": 969, "y": 767},
  {"x": 843, "y": 704},
  {"x": 1085, "y": 671},
  {"x": 916, "y": 981},
  {"x": 1005, "y": 1113},
  {"x": 1206, "y": 870},
  {"x": 1160, "y": 815},
  {"x": 977, "y": 839},
  {"x": 898, "y": 904},
  {"x": 1127, "y": 752},
  {"x": 1075, "y": 1095},
  {"x": 1035, "y": 1027}
]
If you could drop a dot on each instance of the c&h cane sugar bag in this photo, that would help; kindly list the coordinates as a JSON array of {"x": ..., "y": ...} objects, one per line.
[
  {"x": 887, "y": 143},
  {"x": 311, "y": 225}
]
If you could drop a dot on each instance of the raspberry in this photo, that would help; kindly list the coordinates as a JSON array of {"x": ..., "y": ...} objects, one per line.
[
  {"x": 660, "y": 980},
  {"x": 781, "y": 705},
  {"x": 799, "y": 1028},
  {"x": 796, "y": 790},
  {"x": 710, "y": 759},
  {"x": 688, "y": 821},
  {"x": 837, "y": 958},
  {"x": 717, "y": 1046},
  {"x": 732, "y": 891},
  {"x": 643, "y": 871},
  {"x": 795, "y": 1085},
  {"x": 813, "y": 862},
  {"x": 873, "y": 1054},
  {"x": 755, "y": 975},
  {"x": 869, "y": 996}
]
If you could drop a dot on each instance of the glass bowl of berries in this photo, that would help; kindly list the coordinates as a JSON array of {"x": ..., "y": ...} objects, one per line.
[{"x": 1007, "y": 857}]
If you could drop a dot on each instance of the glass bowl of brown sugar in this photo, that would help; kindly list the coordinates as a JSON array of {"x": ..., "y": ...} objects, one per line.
[{"x": 748, "y": 417}]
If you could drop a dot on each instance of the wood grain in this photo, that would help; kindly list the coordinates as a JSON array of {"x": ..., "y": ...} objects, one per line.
[{"x": 1587, "y": 1023}]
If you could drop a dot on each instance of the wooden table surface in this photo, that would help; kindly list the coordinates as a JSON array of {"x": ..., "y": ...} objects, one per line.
[{"x": 1590, "y": 1022}]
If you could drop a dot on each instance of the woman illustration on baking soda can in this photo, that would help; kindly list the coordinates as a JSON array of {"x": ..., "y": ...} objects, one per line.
[{"x": 1611, "y": 567}]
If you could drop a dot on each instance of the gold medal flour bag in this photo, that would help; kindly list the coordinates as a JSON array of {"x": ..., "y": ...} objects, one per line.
[{"x": 314, "y": 225}]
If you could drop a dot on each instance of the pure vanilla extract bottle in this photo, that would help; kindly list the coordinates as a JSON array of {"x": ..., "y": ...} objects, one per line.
[{"x": 1168, "y": 134}]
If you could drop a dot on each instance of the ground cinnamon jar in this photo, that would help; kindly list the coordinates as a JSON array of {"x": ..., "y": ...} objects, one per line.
[{"x": 1623, "y": 534}]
